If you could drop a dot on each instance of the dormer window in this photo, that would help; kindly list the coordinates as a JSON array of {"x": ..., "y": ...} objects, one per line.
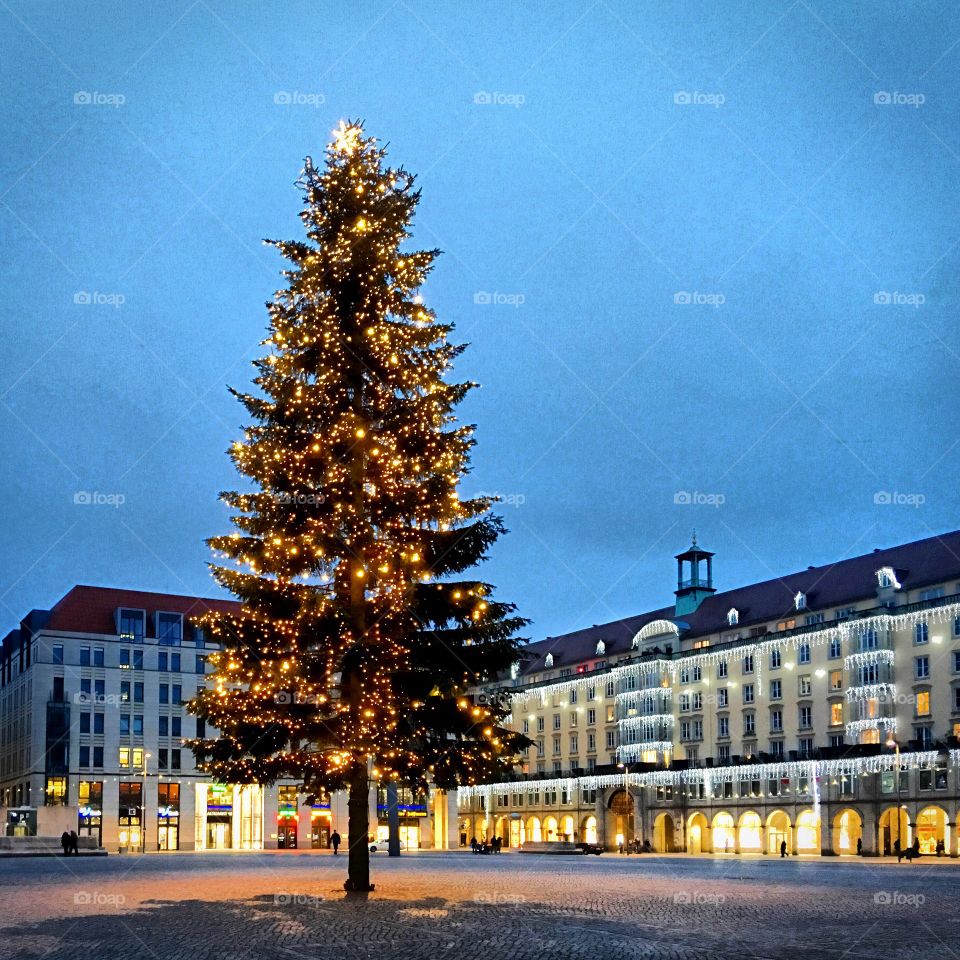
[
  {"x": 886, "y": 577},
  {"x": 733, "y": 617},
  {"x": 548, "y": 661},
  {"x": 601, "y": 648},
  {"x": 800, "y": 600},
  {"x": 170, "y": 628},
  {"x": 131, "y": 624}
]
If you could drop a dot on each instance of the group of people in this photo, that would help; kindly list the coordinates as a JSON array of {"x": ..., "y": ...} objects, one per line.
[
  {"x": 913, "y": 851},
  {"x": 493, "y": 845},
  {"x": 70, "y": 843},
  {"x": 635, "y": 846}
]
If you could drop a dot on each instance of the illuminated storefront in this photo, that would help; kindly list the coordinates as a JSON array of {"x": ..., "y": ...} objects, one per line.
[
  {"x": 90, "y": 810},
  {"x": 229, "y": 817},
  {"x": 320, "y": 824},
  {"x": 412, "y": 810},
  {"x": 130, "y": 815},
  {"x": 168, "y": 816},
  {"x": 288, "y": 819}
]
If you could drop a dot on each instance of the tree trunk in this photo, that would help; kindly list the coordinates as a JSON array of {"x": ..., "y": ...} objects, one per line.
[{"x": 358, "y": 828}]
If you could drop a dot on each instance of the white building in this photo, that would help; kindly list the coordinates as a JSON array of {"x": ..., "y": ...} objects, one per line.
[{"x": 92, "y": 724}]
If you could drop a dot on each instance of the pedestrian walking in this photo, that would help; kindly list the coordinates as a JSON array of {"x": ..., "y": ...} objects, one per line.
[
  {"x": 783, "y": 849},
  {"x": 915, "y": 849},
  {"x": 74, "y": 843},
  {"x": 473, "y": 844},
  {"x": 335, "y": 843},
  {"x": 859, "y": 846},
  {"x": 65, "y": 843},
  {"x": 897, "y": 849}
]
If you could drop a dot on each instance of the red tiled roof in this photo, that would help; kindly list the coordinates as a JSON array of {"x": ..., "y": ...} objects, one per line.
[
  {"x": 827, "y": 587},
  {"x": 93, "y": 609}
]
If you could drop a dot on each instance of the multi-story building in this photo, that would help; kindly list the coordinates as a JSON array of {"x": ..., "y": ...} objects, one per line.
[
  {"x": 92, "y": 724},
  {"x": 804, "y": 710}
]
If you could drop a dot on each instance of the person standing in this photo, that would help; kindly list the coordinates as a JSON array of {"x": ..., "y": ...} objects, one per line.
[
  {"x": 74, "y": 843},
  {"x": 783, "y": 849},
  {"x": 335, "y": 843},
  {"x": 859, "y": 846},
  {"x": 65, "y": 843}
]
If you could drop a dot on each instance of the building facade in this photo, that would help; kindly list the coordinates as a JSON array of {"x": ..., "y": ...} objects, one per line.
[
  {"x": 92, "y": 729},
  {"x": 819, "y": 710}
]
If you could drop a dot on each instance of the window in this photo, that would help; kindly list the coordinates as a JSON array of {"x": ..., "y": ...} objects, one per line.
[
  {"x": 748, "y": 663},
  {"x": 124, "y": 691},
  {"x": 956, "y": 626},
  {"x": 138, "y": 724},
  {"x": 776, "y": 748},
  {"x": 57, "y": 653},
  {"x": 723, "y": 697},
  {"x": 55, "y": 792},
  {"x": 526, "y": 726},
  {"x": 921, "y": 667},
  {"x": 868, "y": 640},
  {"x": 836, "y": 714},
  {"x": 722, "y": 669},
  {"x": 723, "y": 754},
  {"x": 84, "y": 656},
  {"x": 165, "y": 698},
  {"x": 556, "y": 744},
  {"x": 98, "y": 756},
  {"x": 98, "y": 656},
  {"x": 574, "y": 745},
  {"x": 836, "y": 679},
  {"x": 124, "y": 724},
  {"x": 611, "y": 714},
  {"x": 921, "y": 633},
  {"x": 611, "y": 739},
  {"x": 84, "y": 722},
  {"x": 803, "y": 653},
  {"x": 138, "y": 691},
  {"x": 923, "y": 703},
  {"x": 84, "y": 756},
  {"x": 610, "y": 689},
  {"x": 556, "y": 721},
  {"x": 776, "y": 721},
  {"x": 697, "y": 701},
  {"x": 540, "y": 723},
  {"x": 123, "y": 757},
  {"x": 800, "y": 600},
  {"x": 748, "y": 693},
  {"x": 806, "y": 717},
  {"x": 548, "y": 661},
  {"x": 199, "y": 638},
  {"x": 591, "y": 743},
  {"x": 787, "y": 624},
  {"x": 202, "y": 728},
  {"x": 723, "y": 726},
  {"x": 169, "y": 628},
  {"x": 137, "y": 659},
  {"x": 733, "y": 617},
  {"x": 776, "y": 690},
  {"x": 774, "y": 659},
  {"x": 804, "y": 685},
  {"x": 164, "y": 727},
  {"x": 591, "y": 717},
  {"x": 573, "y": 718},
  {"x": 130, "y": 625},
  {"x": 175, "y": 662},
  {"x": 749, "y": 724},
  {"x": 836, "y": 649},
  {"x": 162, "y": 663},
  {"x": 956, "y": 661},
  {"x": 124, "y": 658},
  {"x": 924, "y": 736},
  {"x": 163, "y": 761},
  {"x": 811, "y": 619},
  {"x": 98, "y": 723}
]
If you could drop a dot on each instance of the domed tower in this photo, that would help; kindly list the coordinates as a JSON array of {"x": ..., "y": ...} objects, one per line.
[{"x": 694, "y": 584}]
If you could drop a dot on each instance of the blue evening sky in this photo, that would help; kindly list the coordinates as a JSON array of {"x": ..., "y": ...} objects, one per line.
[{"x": 704, "y": 253}]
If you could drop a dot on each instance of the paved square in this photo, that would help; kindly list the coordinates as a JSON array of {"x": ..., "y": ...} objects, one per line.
[{"x": 289, "y": 904}]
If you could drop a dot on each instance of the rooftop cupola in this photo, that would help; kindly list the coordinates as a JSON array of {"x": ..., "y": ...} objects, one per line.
[{"x": 694, "y": 577}]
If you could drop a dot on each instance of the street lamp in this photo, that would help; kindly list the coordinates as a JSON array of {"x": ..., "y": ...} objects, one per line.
[
  {"x": 143, "y": 807},
  {"x": 892, "y": 742}
]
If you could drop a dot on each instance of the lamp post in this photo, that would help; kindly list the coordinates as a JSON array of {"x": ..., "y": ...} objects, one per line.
[
  {"x": 892, "y": 742},
  {"x": 626, "y": 788},
  {"x": 143, "y": 807}
]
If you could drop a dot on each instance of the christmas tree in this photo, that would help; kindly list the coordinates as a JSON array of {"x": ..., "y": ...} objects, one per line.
[{"x": 360, "y": 633}]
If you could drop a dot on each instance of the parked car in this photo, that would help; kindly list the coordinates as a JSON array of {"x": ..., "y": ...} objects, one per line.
[{"x": 594, "y": 848}]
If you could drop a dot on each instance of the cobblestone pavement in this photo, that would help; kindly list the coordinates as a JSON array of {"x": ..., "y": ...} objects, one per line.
[{"x": 291, "y": 905}]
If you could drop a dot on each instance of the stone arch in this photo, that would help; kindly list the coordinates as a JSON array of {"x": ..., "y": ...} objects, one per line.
[
  {"x": 551, "y": 829},
  {"x": 621, "y": 819},
  {"x": 847, "y": 830},
  {"x": 779, "y": 830},
  {"x": 724, "y": 834},
  {"x": 892, "y": 829},
  {"x": 533, "y": 832},
  {"x": 807, "y": 832},
  {"x": 750, "y": 832},
  {"x": 588, "y": 829},
  {"x": 930, "y": 828},
  {"x": 567, "y": 829},
  {"x": 698, "y": 834},
  {"x": 664, "y": 833}
]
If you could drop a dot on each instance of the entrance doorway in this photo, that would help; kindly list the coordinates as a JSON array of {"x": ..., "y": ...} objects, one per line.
[
  {"x": 218, "y": 835},
  {"x": 320, "y": 834},
  {"x": 168, "y": 835},
  {"x": 287, "y": 835}
]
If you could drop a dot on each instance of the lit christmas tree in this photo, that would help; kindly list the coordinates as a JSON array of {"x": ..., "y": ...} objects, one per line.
[{"x": 358, "y": 642}]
